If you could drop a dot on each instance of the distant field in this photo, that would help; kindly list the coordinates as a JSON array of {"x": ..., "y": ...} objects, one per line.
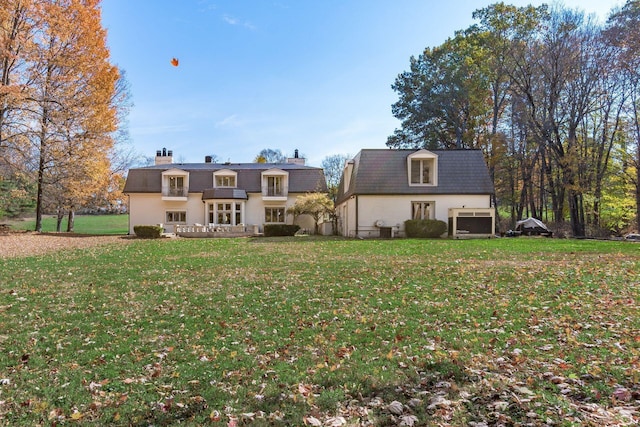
[
  {"x": 323, "y": 332},
  {"x": 83, "y": 224}
]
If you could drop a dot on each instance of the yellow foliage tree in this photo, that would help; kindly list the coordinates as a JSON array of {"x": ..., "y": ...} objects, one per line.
[{"x": 73, "y": 105}]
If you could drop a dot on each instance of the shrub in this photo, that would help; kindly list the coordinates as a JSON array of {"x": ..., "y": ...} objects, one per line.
[
  {"x": 148, "y": 231},
  {"x": 271, "y": 230},
  {"x": 425, "y": 227}
]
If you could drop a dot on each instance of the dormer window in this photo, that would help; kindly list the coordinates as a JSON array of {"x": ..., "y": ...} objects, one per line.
[
  {"x": 421, "y": 171},
  {"x": 275, "y": 185},
  {"x": 175, "y": 185},
  {"x": 423, "y": 168},
  {"x": 225, "y": 179}
]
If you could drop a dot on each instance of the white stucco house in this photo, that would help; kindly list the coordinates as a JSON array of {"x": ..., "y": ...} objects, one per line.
[
  {"x": 382, "y": 188},
  {"x": 217, "y": 197}
]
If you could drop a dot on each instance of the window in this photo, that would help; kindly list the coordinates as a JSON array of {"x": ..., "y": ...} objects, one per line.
[
  {"x": 224, "y": 213},
  {"x": 274, "y": 215},
  {"x": 229, "y": 213},
  {"x": 238, "y": 214},
  {"x": 225, "y": 181},
  {"x": 176, "y": 216},
  {"x": 176, "y": 186},
  {"x": 421, "y": 210},
  {"x": 420, "y": 171},
  {"x": 422, "y": 168},
  {"x": 274, "y": 186},
  {"x": 274, "y": 183}
]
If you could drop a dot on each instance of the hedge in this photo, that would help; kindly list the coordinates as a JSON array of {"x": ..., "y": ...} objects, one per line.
[
  {"x": 271, "y": 230},
  {"x": 148, "y": 231},
  {"x": 425, "y": 228}
]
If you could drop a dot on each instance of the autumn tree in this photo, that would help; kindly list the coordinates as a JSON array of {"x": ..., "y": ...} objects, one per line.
[
  {"x": 622, "y": 33},
  {"x": 315, "y": 205},
  {"x": 72, "y": 110},
  {"x": 15, "y": 170},
  {"x": 269, "y": 155}
]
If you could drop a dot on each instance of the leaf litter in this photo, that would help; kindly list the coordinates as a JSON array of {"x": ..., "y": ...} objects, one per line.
[{"x": 349, "y": 334}]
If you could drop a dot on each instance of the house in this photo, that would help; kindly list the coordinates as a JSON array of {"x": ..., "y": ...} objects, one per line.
[
  {"x": 211, "y": 197},
  {"x": 382, "y": 188}
]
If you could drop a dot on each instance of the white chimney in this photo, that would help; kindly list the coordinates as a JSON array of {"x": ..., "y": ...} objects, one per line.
[
  {"x": 164, "y": 157},
  {"x": 296, "y": 159}
]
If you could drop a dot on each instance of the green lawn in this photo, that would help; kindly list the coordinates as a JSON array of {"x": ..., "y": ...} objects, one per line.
[
  {"x": 299, "y": 330},
  {"x": 83, "y": 224}
]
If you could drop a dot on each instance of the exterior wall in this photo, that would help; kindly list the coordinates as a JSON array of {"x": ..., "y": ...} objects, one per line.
[
  {"x": 395, "y": 210},
  {"x": 346, "y": 213},
  {"x": 254, "y": 213},
  {"x": 150, "y": 209}
]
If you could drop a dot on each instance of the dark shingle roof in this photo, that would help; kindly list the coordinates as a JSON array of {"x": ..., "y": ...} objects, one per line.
[
  {"x": 384, "y": 172},
  {"x": 224, "y": 193},
  {"x": 302, "y": 179}
]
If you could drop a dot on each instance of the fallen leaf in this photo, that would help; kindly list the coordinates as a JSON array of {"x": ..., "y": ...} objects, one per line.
[
  {"x": 395, "y": 408},
  {"x": 312, "y": 421},
  {"x": 335, "y": 422},
  {"x": 408, "y": 420}
]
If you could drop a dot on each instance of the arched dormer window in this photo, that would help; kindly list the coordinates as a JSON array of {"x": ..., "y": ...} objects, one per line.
[{"x": 422, "y": 167}]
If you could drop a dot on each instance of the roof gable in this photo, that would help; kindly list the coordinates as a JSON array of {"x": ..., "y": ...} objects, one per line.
[
  {"x": 423, "y": 154},
  {"x": 174, "y": 171}
]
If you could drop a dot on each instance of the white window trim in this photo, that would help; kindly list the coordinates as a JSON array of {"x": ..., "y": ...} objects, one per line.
[
  {"x": 174, "y": 173},
  {"x": 433, "y": 173},
  {"x": 274, "y": 172},
  {"x": 225, "y": 172},
  {"x": 237, "y": 207},
  {"x": 175, "y": 212},
  {"x": 284, "y": 214},
  {"x": 432, "y": 208}
]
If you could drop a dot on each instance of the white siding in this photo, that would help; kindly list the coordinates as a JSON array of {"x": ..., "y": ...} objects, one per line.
[
  {"x": 150, "y": 209},
  {"x": 395, "y": 210}
]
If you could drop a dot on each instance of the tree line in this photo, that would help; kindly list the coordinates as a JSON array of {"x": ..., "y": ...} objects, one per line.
[
  {"x": 551, "y": 96},
  {"x": 62, "y": 104}
]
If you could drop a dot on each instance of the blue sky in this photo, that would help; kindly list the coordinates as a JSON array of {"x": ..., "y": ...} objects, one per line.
[{"x": 313, "y": 75}]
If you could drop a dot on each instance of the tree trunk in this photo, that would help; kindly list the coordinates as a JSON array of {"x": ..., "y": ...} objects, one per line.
[
  {"x": 59, "y": 220},
  {"x": 71, "y": 220},
  {"x": 39, "y": 192}
]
